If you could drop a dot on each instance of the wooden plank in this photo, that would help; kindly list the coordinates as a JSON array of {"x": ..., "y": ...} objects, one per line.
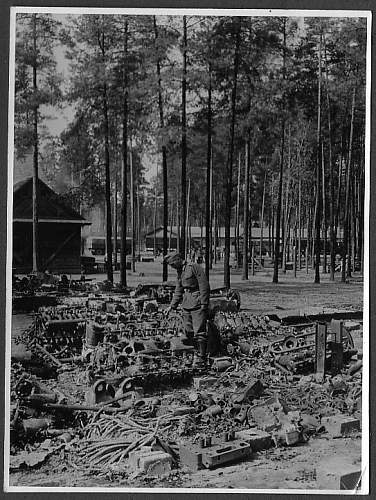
[{"x": 320, "y": 348}]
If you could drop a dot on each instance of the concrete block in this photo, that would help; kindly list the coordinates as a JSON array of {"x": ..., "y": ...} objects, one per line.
[
  {"x": 258, "y": 440},
  {"x": 190, "y": 456},
  {"x": 204, "y": 382},
  {"x": 340, "y": 425},
  {"x": 134, "y": 456},
  {"x": 155, "y": 463}
]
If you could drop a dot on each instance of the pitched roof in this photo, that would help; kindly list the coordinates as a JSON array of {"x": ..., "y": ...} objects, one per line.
[
  {"x": 51, "y": 207},
  {"x": 195, "y": 231}
]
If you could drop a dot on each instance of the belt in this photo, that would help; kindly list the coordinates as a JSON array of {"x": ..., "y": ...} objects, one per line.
[{"x": 191, "y": 290}]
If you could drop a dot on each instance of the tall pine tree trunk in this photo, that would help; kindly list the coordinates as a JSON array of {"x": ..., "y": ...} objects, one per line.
[
  {"x": 227, "y": 278},
  {"x": 110, "y": 276},
  {"x": 164, "y": 161},
  {"x": 262, "y": 216},
  {"x": 184, "y": 144},
  {"x": 124, "y": 180},
  {"x": 132, "y": 204},
  {"x": 345, "y": 262},
  {"x": 318, "y": 176},
  {"x": 299, "y": 218},
  {"x": 246, "y": 208},
  {"x": 115, "y": 222},
  {"x": 35, "y": 153},
  {"x": 237, "y": 215},
  {"x": 331, "y": 175},
  {"x": 324, "y": 228},
  {"x": 208, "y": 175},
  {"x": 281, "y": 160}
]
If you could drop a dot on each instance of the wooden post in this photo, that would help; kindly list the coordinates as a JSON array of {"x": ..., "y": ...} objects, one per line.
[
  {"x": 306, "y": 258},
  {"x": 294, "y": 252},
  {"x": 320, "y": 349}
]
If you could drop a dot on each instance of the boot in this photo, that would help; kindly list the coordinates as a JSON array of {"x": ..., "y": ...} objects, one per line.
[{"x": 199, "y": 361}]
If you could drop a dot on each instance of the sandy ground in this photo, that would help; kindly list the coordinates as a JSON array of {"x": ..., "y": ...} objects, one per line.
[
  {"x": 298, "y": 467},
  {"x": 259, "y": 295}
]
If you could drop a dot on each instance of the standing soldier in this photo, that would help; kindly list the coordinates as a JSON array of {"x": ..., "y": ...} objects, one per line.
[{"x": 192, "y": 289}]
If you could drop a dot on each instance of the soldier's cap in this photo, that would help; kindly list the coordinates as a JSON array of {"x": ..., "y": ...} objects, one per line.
[{"x": 172, "y": 257}]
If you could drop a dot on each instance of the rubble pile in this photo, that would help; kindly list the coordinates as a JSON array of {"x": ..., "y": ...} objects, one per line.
[{"x": 107, "y": 383}]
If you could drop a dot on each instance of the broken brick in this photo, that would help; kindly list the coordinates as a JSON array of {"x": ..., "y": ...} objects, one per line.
[{"x": 340, "y": 425}]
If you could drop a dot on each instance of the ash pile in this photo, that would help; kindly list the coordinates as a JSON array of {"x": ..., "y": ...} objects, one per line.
[{"x": 105, "y": 383}]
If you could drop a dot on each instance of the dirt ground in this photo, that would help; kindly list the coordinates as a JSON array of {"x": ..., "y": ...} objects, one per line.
[
  {"x": 299, "y": 467},
  {"x": 259, "y": 295}
]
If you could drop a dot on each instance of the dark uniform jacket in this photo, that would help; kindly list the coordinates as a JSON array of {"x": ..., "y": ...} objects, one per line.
[{"x": 192, "y": 288}]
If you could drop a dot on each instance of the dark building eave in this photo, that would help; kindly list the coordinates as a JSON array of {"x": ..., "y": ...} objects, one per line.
[{"x": 82, "y": 222}]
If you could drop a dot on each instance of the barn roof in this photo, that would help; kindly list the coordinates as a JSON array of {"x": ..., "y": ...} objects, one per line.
[{"x": 51, "y": 207}]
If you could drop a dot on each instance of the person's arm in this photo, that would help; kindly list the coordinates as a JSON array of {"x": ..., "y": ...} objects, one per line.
[
  {"x": 178, "y": 294},
  {"x": 203, "y": 285}
]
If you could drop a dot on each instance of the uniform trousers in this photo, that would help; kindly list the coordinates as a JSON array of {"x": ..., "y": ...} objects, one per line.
[{"x": 195, "y": 323}]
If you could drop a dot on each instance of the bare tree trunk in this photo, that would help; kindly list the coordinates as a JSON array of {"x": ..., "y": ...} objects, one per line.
[
  {"x": 331, "y": 175},
  {"x": 133, "y": 225},
  {"x": 164, "y": 160},
  {"x": 155, "y": 221},
  {"x": 286, "y": 208},
  {"x": 246, "y": 209},
  {"x": 178, "y": 240},
  {"x": 110, "y": 276},
  {"x": 340, "y": 182},
  {"x": 262, "y": 216},
  {"x": 237, "y": 215},
  {"x": 279, "y": 202},
  {"x": 361, "y": 214},
  {"x": 35, "y": 154},
  {"x": 215, "y": 230},
  {"x": 273, "y": 223},
  {"x": 208, "y": 176},
  {"x": 124, "y": 190},
  {"x": 318, "y": 175},
  {"x": 230, "y": 159},
  {"x": 211, "y": 239},
  {"x": 184, "y": 143},
  {"x": 345, "y": 263},
  {"x": 188, "y": 243},
  {"x": 115, "y": 222},
  {"x": 353, "y": 224},
  {"x": 138, "y": 225},
  {"x": 324, "y": 229},
  {"x": 171, "y": 226},
  {"x": 299, "y": 219}
]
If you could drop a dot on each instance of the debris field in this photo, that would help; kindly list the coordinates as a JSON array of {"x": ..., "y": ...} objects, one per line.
[{"x": 103, "y": 382}]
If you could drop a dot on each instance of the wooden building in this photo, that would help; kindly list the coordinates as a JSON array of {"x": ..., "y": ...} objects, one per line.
[{"x": 59, "y": 227}]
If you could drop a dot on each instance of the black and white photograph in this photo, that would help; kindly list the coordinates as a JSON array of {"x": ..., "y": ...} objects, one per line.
[{"x": 188, "y": 251}]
